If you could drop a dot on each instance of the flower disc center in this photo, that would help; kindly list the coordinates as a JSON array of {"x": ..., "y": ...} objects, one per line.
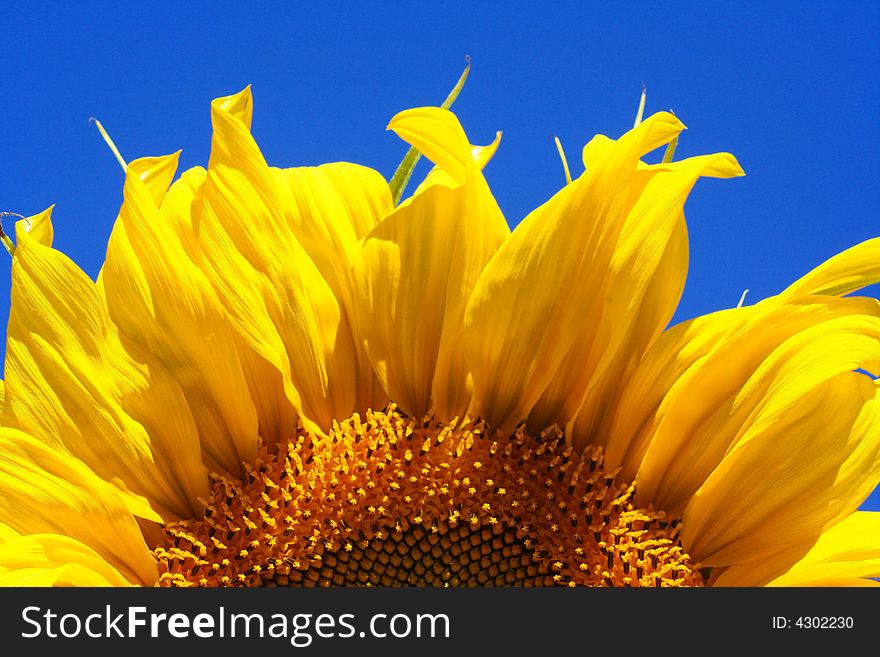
[{"x": 392, "y": 501}]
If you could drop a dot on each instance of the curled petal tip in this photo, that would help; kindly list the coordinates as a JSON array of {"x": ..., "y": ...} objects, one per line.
[
  {"x": 234, "y": 101},
  {"x": 238, "y": 105},
  {"x": 730, "y": 166},
  {"x": 677, "y": 121},
  {"x": 668, "y": 118}
]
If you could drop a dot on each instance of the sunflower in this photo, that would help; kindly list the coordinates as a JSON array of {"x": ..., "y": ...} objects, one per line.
[{"x": 283, "y": 377}]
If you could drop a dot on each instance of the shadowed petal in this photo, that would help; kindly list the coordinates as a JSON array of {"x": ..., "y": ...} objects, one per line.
[
  {"x": 328, "y": 209},
  {"x": 542, "y": 290},
  {"x": 70, "y": 381},
  {"x": 643, "y": 285},
  {"x": 415, "y": 271},
  {"x": 844, "y": 555},
  {"x": 276, "y": 297},
  {"x": 805, "y": 454},
  {"x": 162, "y": 302},
  {"x": 708, "y": 407}
]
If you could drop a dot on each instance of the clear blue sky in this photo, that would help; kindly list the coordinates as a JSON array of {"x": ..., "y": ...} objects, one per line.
[{"x": 792, "y": 89}]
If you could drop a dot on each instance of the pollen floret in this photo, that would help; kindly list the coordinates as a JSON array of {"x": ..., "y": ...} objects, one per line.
[{"x": 392, "y": 501}]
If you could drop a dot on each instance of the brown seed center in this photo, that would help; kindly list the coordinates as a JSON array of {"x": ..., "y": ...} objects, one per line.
[{"x": 391, "y": 501}]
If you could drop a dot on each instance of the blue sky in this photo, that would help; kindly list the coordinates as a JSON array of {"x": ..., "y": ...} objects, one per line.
[{"x": 792, "y": 89}]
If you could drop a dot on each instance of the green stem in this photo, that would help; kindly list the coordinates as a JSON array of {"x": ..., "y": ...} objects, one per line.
[
  {"x": 564, "y": 160},
  {"x": 10, "y": 247},
  {"x": 110, "y": 143},
  {"x": 670, "y": 150},
  {"x": 641, "y": 113}
]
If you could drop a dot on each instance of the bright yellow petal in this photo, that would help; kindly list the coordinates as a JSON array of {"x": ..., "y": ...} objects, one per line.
[
  {"x": 653, "y": 387},
  {"x": 7, "y": 533},
  {"x": 70, "y": 381},
  {"x": 275, "y": 414},
  {"x": 155, "y": 174},
  {"x": 705, "y": 410},
  {"x": 845, "y": 553},
  {"x": 593, "y": 422},
  {"x": 38, "y": 227},
  {"x": 482, "y": 155},
  {"x": 270, "y": 394},
  {"x": 164, "y": 304},
  {"x": 643, "y": 284},
  {"x": 328, "y": 209},
  {"x": 47, "y": 491},
  {"x": 744, "y": 574},
  {"x": 437, "y": 135},
  {"x": 846, "y": 272},
  {"x": 416, "y": 269},
  {"x": 845, "y": 582},
  {"x": 851, "y": 548},
  {"x": 54, "y": 560},
  {"x": 806, "y": 454},
  {"x": 643, "y": 400},
  {"x": 176, "y": 209},
  {"x": 275, "y": 295},
  {"x": 542, "y": 290}
]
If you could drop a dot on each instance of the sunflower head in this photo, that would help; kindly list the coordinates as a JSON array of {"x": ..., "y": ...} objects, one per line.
[{"x": 288, "y": 376}]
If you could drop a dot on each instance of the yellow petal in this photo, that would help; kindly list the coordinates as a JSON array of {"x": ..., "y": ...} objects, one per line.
[
  {"x": 176, "y": 209},
  {"x": 643, "y": 400},
  {"x": 54, "y": 560},
  {"x": 415, "y": 271},
  {"x": 7, "y": 533},
  {"x": 593, "y": 422},
  {"x": 806, "y": 454},
  {"x": 437, "y": 134},
  {"x": 328, "y": 209},
  {"x": 275, "y": 295},
  {"x": 38, "y": 227},
  {"x": 643, "y": 284},
  {"x": 276, "y": 415},
  {"x": 70, "y": 381},
  {"x": 155, "y": 173},
  {"x": 163, "y": 303},
  {"x": 482, "y": 155},
  {"x": 542, "y": 290},
  {"x": 638, "y": 410},
  {"x": 839, "y": 582},
  {"x": 44, "y": 491},
  {"x": 846, "y": 272},
  {"x": 846, "y": 552},
  {"x": 705, "y": 410}
]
